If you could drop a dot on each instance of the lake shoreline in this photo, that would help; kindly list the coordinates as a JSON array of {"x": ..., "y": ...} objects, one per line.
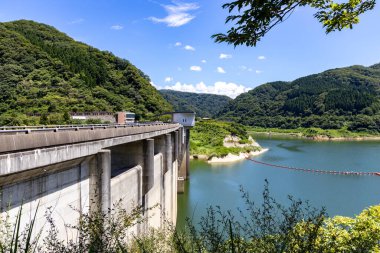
[
  {"x": 230, "y": 158},
  {"x": 235, "y": 158},
  {"x": 318, "y": 137}
]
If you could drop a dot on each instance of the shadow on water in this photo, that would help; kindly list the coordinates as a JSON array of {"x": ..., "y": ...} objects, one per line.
[{"x": 293, "y": 148}]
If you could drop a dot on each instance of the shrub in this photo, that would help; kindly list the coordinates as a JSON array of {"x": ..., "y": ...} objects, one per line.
[{"x": 266, "y": 227}]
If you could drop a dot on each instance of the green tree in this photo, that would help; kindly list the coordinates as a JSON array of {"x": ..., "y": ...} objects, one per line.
[
  {"x": 44, "y": 119},
  {"x": 66, "y": 117},
  {"x": 253, "y": 19}
]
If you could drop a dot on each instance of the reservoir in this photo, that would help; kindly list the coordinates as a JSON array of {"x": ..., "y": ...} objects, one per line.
[{"x": 219, "y": 184}]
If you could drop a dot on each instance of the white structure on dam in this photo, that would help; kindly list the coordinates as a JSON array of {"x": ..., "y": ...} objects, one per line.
[{"x": 73, "y": 170}]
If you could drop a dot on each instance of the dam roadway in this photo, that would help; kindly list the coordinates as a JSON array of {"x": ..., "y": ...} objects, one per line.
[{"x": 83, "y": 169}]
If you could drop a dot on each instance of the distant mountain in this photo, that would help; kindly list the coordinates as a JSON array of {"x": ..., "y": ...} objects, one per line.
[
  {"x": 43, "y": 70},
  {"x": 343, "y": 97},
  {"x": 205, "y": 105}
]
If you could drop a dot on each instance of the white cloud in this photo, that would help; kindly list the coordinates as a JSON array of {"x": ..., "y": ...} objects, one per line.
[
  {"x": 76, "y": 21},
  {"x": 261, "y": 57},
  {"x": 190, "y": 48},
  {"x": 155, "y": 86},
  {"x": 203, "y": 61},
  {"x": 258, "y": 71},
  {"x": 195, "y": 68},
  {"x": 178, "y": 44},
  {"x": 181, "y": 87},
  {"x": 220, "y": 70},
  {"x": 117, "y": 27},
  {"x": 178, "y": 14},
  {"x": 168, "y": 79},
  {"x": 225, "y": 56},
  {"x": 221, "y": 88}
]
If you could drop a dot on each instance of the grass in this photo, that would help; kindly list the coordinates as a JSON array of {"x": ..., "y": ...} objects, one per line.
[{"x": 20, "y": 240}]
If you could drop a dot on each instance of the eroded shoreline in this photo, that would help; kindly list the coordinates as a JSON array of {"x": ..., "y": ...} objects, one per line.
[
  {"x": 235, "y": 158},
  {"x": 230, "y": 157},
  {"x": 233, "y": 141}
]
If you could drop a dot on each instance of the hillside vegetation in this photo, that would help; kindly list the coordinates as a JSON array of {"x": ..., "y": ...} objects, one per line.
[
  {"x": 345, "y": 98},
  {"x": 207, "y": 137},
  {"x": 204, "y": 105},
  {"x": 43, "y": 71}
]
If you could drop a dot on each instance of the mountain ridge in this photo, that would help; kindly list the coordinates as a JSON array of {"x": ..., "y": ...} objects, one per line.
[
  {"x": 203, "y": 104},
  {"x": 45, "y": 71},
  {"x": 334, "y": 98}
]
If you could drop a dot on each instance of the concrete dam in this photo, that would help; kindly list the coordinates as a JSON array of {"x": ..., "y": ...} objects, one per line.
[{"x": 75, "y": 170}]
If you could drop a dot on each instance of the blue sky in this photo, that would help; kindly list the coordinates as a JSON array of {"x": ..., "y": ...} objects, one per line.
[{"x": 170, "y": 41}]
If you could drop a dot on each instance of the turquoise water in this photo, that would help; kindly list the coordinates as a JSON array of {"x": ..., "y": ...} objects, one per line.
[{"x": 219, "y": 184}]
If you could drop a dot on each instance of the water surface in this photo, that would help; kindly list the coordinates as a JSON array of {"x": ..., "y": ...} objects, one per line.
[{"x": 219, "y": 184}]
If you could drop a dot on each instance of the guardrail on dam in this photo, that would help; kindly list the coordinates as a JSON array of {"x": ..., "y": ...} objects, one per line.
[{"x": 77, "y": 169}]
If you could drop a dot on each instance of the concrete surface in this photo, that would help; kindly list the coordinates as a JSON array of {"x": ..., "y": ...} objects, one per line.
[{"x": 103, "y": 171}]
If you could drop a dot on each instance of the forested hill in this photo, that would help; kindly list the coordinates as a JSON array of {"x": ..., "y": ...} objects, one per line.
[
  {"x": 205, "y": 105},
  {"x": 345, "y": 97},
  {"x": 43, "y": 70}
]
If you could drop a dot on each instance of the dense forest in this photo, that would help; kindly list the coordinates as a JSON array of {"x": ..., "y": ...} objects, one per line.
[
  {"x": 338, "y": 98},
  {"x": 204, "y": 105},
  {"x": 45, "y": 72}
]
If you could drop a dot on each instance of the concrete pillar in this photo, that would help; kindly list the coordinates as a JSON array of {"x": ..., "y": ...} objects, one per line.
[
  {"x": 100, "y": 182},
  {"x": 104, "y": 165},
  {"x": 187, "y": 146},
  {"x": 176, "y": 145},
  {"x": 94, "y": 186},
  {"x": 160, "y": 147},
  {"x": 168, "y": 153},
  {"x": 180, "y": 137},
  {"x": 181, "y": 175},
  {"x": 168, "y": 170},
  {"x": 148, "y": 168},
  {"x": 184, "y": 165}
]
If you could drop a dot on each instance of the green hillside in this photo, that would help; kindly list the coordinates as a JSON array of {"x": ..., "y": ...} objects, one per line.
[
  {"x": 43, "y": 71},
  {"x": 338, "y": 98},
  {"x": 205, "y": 105},
  {"x": 207, "y": 138}
]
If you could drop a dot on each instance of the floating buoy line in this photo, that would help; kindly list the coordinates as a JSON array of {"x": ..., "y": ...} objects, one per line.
[{"x": 332, "y": 172}]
